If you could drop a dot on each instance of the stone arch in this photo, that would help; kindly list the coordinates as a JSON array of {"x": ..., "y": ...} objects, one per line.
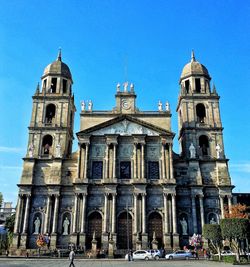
[
  {"x": 94, "y": 225},
  {"x": 124, "y": 230},
  {"x": 47, "y": 144},
  {"x": 204, "y": 145},
  {"x": 200, "y": 112},
  {"x": 50, "y": 113},
  {"x": 155, "y": 228}
]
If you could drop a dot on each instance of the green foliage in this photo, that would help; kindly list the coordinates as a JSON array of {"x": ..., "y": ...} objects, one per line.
[
  {"x": 212, "y": 232},
  {"x": 229, "y": 258},
  {"x": 9, "y": 224},
  {"x": 234, "y": 228}
]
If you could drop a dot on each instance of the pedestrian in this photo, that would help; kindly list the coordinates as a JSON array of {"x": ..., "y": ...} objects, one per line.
[{"x": 71, "y": 258}]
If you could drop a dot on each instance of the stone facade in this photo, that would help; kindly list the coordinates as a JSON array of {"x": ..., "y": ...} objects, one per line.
[{"x": 124, "y": 187}]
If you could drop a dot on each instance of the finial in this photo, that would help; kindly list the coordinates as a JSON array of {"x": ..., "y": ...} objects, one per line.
[
  {"x": 214, "y": 89},
  {"x": 193, "y": 56},
  {"x": 59, "y": 57},
  {"x": 37, "y": 88}
]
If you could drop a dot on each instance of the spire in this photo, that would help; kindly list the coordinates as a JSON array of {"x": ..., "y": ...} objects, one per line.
[
  {"x": 59, "y": 57},
  {"x": 37, "y": 88},
  {"x": 214, "y": 89},
  {"x": 193, "y": 56}
]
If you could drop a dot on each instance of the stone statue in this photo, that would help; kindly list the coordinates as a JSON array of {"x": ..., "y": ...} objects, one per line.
[
  {"x": 31, "y": 150},
  {"x": 192, "y": 151},
  {"x": 118, "y": 86},
  {"x": 90, "y": 105},
  {"x": 184, "y": 226},
  {"x": 58, "y": 150},
  {"x": 83, "y": 106},
  {"x": 125, "y": 86},
  {"x": 66, "y": 226},
  {"x": 37, "y": 224},
  {"x": 218, "y": 151},
  {"x": 167, "y": 106},
  {"x": 212, "y": 221},
  {"x": 160, "y": 105},
  {"x": 132, "y": 87}
]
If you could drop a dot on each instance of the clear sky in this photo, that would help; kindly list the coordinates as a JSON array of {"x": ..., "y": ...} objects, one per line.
[{"x": 109, "y": 41}]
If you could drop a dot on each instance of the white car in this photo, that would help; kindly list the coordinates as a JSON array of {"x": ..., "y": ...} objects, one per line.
[{"x": 140, "y": 255}]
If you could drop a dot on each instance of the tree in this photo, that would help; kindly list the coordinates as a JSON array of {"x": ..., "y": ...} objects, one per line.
[
  {"x": 237, "y": 211},
  {"x": 234, "y": 229},
  {"x": 9, "y": 226},
  {"x": 212, "y": 232}
]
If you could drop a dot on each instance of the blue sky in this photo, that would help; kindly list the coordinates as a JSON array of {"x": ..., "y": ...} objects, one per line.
[{"x": 100, "y": 39}]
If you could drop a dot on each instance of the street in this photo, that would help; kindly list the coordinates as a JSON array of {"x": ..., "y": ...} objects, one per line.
[{"x": 11, "y": 262}]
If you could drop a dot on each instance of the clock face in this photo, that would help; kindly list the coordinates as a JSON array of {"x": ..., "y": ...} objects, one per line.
[{"x": 125, "y": 104}]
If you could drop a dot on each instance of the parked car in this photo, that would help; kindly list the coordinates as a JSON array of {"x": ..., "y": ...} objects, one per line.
[
  {"x": 226, "y": 253},
  {"x": 179, "y": 254},
  {"x": 140, "y": 255},
  {"x": 156, "y": 254}
]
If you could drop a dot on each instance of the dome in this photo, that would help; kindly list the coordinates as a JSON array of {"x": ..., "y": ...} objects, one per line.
[
  {"x": 194, "y": 68},
  {"x": 58, "y": 68}
]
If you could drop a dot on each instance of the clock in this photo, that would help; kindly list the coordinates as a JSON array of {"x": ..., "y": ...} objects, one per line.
[{"x": 125, "y": 104}]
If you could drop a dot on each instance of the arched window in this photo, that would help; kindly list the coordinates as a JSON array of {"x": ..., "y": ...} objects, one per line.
[
  {"x": 50, "y": 113},
  {"x": 204, "y": 145},
  {"x": 200, "y": 113},
  {"x": 47, "y": 143},
  {"x": 187, "y": 86}
]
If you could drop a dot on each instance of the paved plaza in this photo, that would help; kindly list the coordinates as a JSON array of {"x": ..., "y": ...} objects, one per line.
[{"x": 4, "y": 262}]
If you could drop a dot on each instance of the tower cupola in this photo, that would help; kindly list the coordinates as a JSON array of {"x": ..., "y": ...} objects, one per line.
[
  {"x": 57, "y": 77},
  {"x": 195, "y": 77}
]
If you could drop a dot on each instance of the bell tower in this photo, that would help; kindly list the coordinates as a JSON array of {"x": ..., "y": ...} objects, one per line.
[
  {"x": 199, "y": 118},
  {"x": 51, "y": 126}
]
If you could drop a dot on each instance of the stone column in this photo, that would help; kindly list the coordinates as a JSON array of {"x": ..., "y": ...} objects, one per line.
[
  {"x": 135, "y": 213},
  {"x": 135, "y": 161},
  {"x": 47, "y": 219},
  {"x": 163, "y": 162},
  {"x": 105, "y": 212},
  {"x": 86, "y": 160},
  {"x": 55, "y": 217},
  {"x": 165, "y": 213},
  {"x": 142, "y": 162},
  {"x": 143, "y": 213},
  {"x": 171, "y": 174},
  {"x": 79, "y": 167},
  {"x": 174, "y": 214},
  {"x": 75, "y": 214},
  {"x": 229, "y": 203},
  {"x": 222, "y": 207},
  {"x": 26, "y": 214},
  {"x": 113, "y": 230},
  {"x": 114, "y": 161},
  {"x": 201, "y": 210},
  {"x": 82, "y": 162},
  {"x": 84, "y": 195},
  {"x": 18, "y": 211},
  {"x": 107, "y": 162},
  {"x": 194, "y": 214}
]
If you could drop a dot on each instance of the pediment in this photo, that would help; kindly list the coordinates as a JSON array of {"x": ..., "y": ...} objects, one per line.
[{"x": 125, "y": 125}]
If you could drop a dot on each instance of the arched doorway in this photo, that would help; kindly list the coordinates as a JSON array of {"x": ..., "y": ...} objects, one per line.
[
  {"x": 155, "y": 228},
  {"x": 204, "y": 145},
  {"x": 124, "y": 231},
  {"x": 94, "y": 225}
]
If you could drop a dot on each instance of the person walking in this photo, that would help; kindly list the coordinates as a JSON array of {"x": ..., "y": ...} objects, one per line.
[{"x": 71, "y": 258}]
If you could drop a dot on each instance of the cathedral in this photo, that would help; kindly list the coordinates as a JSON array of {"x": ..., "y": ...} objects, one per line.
[{"x": 124, "y": 187}]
